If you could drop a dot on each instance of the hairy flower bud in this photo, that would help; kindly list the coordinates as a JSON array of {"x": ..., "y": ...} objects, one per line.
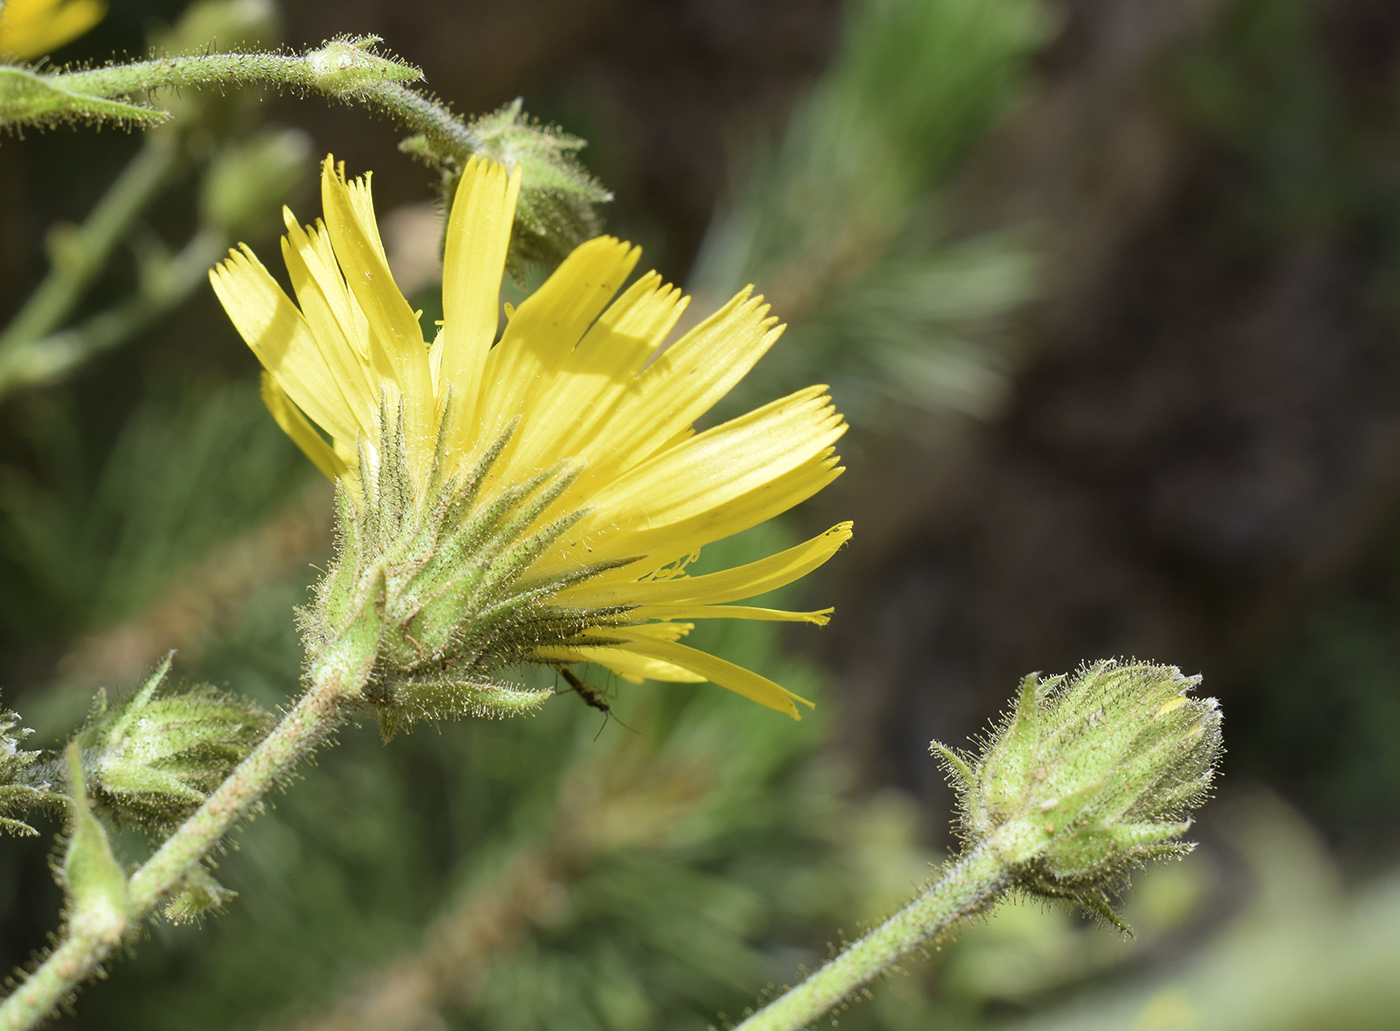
[
  {"x": 556, "y": 211},
  {"x": 1090, "y": 776},
  {"x": 152, "y": 759},
  {"x": 346, "y": 65}
]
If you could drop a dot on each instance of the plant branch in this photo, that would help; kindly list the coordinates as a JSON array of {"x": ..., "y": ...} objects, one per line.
[
  {"x": 336, "y": 680},
  {"x": 79, "y": 254},
  {"x": 971, "y": 884}
]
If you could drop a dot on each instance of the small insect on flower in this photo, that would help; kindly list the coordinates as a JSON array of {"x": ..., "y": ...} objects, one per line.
[
  {"x": 591, "y": 695},
  {"x": 536, "y": 499}
]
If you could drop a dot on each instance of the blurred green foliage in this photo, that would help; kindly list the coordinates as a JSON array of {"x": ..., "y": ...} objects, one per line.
[
  {"x": 90, "y": 533},
  {"x": 841, "y": 223}
]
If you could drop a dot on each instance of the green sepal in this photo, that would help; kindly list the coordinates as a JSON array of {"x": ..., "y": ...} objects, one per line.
[
  {"x": 94, "y": 882},
  {"x": 436, "y": 698},
  {"x": 960, "y": 774},
  {"x": 348, "y": 65},
  {"x": 20, "y": 788},
  {"x": 198, "y": 895}
]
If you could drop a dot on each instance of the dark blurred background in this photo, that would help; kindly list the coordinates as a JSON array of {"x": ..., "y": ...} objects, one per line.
[{"x": 1111, "y": 292}]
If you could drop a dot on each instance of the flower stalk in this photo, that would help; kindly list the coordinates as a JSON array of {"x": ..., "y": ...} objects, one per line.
[
  {"x": 1088, "y": 777},
  {"x": 336, "y": 681},
  {"x": 971, "y": 885},
  {"x": 345, "y": 68}
]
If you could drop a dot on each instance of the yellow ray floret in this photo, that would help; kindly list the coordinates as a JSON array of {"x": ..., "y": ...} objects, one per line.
[
  {"x": 578, "y": 387},
  {"x": 30, "y": 28}
]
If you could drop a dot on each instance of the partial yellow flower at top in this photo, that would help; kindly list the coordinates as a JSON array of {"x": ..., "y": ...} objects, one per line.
[
  {"x": 31, "y": 28},
  {"x": 572, "y": 436}
]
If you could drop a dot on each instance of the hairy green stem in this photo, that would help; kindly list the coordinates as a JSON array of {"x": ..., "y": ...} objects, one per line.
[
  {"x": 317, "y": 70},
  {"x": 445, "y": 132},
  {"x": 971, "y": 884},
  {"x": 29, "y": 353},
  {"x": 336, "y": 680},
  {"x": 170, "y": 283},
  {"x": 80, "y": 254}
]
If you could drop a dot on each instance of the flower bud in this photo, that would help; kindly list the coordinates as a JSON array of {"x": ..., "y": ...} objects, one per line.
[
  {"x": 555, "y": 212},
  {"x": 1090, "y": 776},
  {"x": 347, "y": 64},
  {"x": 151, "y": 760}
]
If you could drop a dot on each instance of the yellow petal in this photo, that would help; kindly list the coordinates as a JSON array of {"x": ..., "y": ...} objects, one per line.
[
  {"x": 319, "y": 303},
  {"x": 544, "y": 330},
  {"x": 478, "y": 236},
  {"x": 727, "y": 675},
  {"x": 29, "y": 28},
  {"x": 821, "y": 617},
  {"x": 710, "y": 469},
  {"x": 599, "y": 373},
  {"x": 659, "y": 546},
  {"x": 683, "y": 383},
  {"x": 767, "y": 574},
  {"x": 627, "y": 665},
  {"x": 273, "y": 327},
  {"x": 312, "y": 266},
  {"x": 294, "y": 424},
  {"x": 392, "y": 323}
]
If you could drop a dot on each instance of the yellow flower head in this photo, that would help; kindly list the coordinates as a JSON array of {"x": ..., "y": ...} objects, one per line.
[
  {"x": 572, "y": 437},
  {"x": 29, "y": 28}
]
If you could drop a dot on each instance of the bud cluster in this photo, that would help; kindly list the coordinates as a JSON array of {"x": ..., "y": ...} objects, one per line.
[
  {"x": 443, "y": 578},
  {"x": 1090, "y": 776}
]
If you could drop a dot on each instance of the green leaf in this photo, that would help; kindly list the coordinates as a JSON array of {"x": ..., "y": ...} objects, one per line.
[{"x": 28, "y": 98}]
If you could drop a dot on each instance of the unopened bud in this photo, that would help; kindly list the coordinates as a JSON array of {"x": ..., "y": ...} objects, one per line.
[
  {"x": 152, "y": 759},
  {"x": 555, "y": 212},
  {"x": 1090, "y": 776},
  {"x": 346, "y": 64}
]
